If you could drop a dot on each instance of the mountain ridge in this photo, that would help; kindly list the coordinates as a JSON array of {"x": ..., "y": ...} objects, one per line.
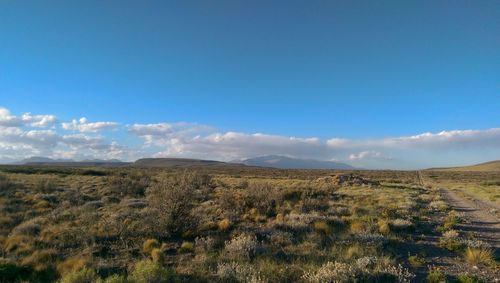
[{"x": 285, "y": 162}]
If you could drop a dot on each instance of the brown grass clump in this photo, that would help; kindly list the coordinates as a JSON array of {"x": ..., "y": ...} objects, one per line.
[
  {"x": 72, "y": 264},
  {"x": 354, "y": 251},
  {"x": 149, "y": 245},
  {"x": 41, "y": 259},
  {"x": 322, "y": 227},
  {"x": 224, "y": 224},
  {"x": 479, "y": 256},
  {"x": 18, "y": 243},
  {"x": 358, "y": 227},
  {"x": 157, "y": 255},
  {"x": 384, "y": 227}
]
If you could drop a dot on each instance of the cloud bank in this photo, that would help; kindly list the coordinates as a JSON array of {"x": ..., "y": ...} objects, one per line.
[{"x": 29, "y": 135}]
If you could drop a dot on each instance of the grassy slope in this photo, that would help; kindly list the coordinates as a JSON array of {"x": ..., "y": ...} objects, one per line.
[{"x": 487, "y": 166}]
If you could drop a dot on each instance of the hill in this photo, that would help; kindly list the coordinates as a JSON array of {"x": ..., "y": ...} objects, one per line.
[
  {"x": 284, "y": 162},
  {"x": 178, "y": 162},
  {"x": 487, "y": 166}
]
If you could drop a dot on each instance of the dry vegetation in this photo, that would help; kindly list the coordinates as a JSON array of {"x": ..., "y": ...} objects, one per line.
[{"x": 222, "y": 225}]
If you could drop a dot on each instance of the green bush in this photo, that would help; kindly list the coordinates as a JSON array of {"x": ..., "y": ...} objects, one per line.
[
  {"x": 84, "y": 275},
  {"x": 436, "y": 276},
  {"x": 147, "y": 271},
  {"x": 467, "y": 278}
]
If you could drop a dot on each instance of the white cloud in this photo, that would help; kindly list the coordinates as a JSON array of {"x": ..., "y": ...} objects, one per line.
[
  {"x": 447, "y": 140},
  {"x": 27, "y": 119},
  {"x": 369, "y": 153},
  {"x": 365, "y": 155},
  {"x": 20, "y": 138},
  {"x": 82, "y": 125},
  {"x": 24, "y": 136}
]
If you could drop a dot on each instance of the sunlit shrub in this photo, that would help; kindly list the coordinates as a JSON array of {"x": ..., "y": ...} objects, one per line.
[
  {"x": 224, "y": 224},
  {"x": 84, "y": 275},
  {"x": 242, "y": 246},
  {"x": 186, "y": 247},
  {"x": 147, "y": 271},
  {"x": 149, "y": 245},
  {"x": 479, "y": 256},
  {"x": 322, "y": 227},
  {"x": 170, "y": 204},
  {"x": 239, "y": 272}
]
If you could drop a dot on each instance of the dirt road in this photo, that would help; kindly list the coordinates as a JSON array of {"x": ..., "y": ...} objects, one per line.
[{"x": 482, "y": 217}]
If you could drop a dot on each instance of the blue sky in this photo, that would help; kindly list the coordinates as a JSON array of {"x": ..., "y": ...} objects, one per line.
[{"x": 355, "y": 70}]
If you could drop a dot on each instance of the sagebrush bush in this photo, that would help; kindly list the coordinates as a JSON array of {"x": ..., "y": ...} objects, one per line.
[
  {"x": 171, "y": 201},
  {"x": 366, "y": 269},
  {"x": 243, "y": 246},
  {"x": 132, "y": 184},
  {"x": 263, "y": 197}
]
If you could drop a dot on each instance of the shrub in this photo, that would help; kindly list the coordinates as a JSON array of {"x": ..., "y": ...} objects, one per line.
[
  {"x": 436, "y": 276},
  {"x": 438, "y": 205},
  {"x": 115, "y": 278},
  {"x": 467, "y": 278},
  {"x": 40, "y": 259},
  {"x": 401, "y": 224},
  {"x": 479, "y": 255},
  {"x": 322, "y": 227},
  {"x": 358, "y": 226},
  {"x": 239, "y": 272},
  {"x": 46, "y": 186},
  {"x": 243, "y": 246},
  {"x": 186, "y": 247},
  {"x": 450, "y": 234},
  {"x": 416, "y": 260},
  {"x": 157, "y": 255},
  {"x": 224, "y": 224},
  {"x": 263, "y": 197},
  {"x": 132, "y": 184},
  {"x": 452, "y": 220},
  {"x": 170, "y": 203},
  {"x": 383, "y": 227},
  {"x": 366, "y": 269},
  {"x": 204, "y": 245},
  {"x": 451, "y": 244},
  {"x": 84, "y": 275},
  {"x": 147, "y": 271},
  {"x": 72, "y": 264},
  {"x": 149, "y": 245}
]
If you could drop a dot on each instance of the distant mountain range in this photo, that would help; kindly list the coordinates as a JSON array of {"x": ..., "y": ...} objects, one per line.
[
  {"x": 38, "y": 160},
  {"x": 274, "y": 161},
  {"x": 284, "y": 162},
  {"x": 178, "y": 162}
]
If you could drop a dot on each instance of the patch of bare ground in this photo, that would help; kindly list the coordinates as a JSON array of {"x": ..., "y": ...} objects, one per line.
[{"x": 481, "y": 223}]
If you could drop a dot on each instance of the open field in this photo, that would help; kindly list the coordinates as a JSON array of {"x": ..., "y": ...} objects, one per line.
[{"x": 244, "y": 224}]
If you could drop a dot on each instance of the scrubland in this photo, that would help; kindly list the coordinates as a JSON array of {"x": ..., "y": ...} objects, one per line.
[{"x": 230, "y": 225}]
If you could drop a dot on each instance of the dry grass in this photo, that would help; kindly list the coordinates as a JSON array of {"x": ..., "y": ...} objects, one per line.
[
  {"x": 477, "y": 256},
  {"x": 209, "y": 225}
]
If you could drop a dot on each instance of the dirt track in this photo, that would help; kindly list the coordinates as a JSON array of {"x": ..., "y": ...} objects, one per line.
[{"x": 482, "y": 217}]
